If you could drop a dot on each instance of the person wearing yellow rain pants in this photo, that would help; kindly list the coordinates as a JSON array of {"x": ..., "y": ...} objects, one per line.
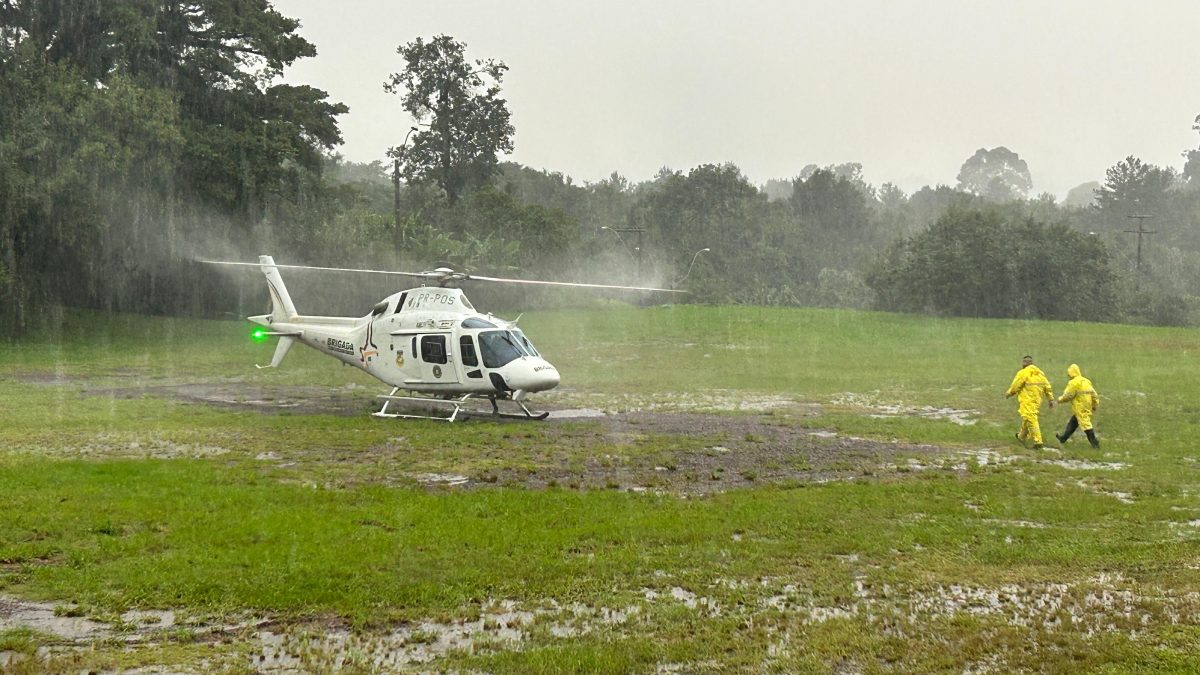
[
  {"x": 1084, "y": 401},
  {"x": 1030, "y": 386}
]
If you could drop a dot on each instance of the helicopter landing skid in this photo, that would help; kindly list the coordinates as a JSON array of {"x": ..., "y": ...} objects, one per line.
[{"x": 458, "y": 404}]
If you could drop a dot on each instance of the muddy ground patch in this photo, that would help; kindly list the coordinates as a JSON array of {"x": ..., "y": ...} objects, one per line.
[
  {"x": 696, "y": 446},
  {"x": 696, "y": 453},
  {"x": 654, "y": 452}
]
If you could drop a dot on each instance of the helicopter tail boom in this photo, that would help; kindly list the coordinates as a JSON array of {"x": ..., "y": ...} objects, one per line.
[{"x": 282, "y": 308}]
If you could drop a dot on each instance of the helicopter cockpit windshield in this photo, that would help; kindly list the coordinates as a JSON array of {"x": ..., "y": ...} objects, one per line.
[
  {"x": 501, "y": 347},
  {"x": 524, "y": 343}
]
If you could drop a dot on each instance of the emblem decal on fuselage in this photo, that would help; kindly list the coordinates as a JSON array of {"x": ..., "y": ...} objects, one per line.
[
  {"x": 437, "y": 371},
  {"x": 400, "y": 359},
  {"x": 365, "y": 354}
]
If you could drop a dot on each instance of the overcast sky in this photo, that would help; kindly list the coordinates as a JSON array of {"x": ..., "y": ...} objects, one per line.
[{"x": 909, "y": 89}]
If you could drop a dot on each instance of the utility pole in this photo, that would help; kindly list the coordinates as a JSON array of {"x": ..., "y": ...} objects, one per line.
[{"x": 1139, "y": 232}]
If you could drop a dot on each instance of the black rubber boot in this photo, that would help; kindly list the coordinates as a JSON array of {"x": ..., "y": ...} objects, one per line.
[
  {"x": 1091, "y": 434},
  {"x": 1072, "y": 425}
]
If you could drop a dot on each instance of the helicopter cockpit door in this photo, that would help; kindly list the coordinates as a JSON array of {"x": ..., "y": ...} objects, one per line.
[{"x": 435, "y": 359}]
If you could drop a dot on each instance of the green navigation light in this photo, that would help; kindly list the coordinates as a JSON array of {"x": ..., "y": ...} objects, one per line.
[{"x": 259, "y": 335}]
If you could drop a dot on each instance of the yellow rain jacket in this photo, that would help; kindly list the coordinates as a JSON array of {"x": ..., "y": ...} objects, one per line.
[
  {"x": 1030, "y": 385},
  {"x": 1082, "y": 395}
]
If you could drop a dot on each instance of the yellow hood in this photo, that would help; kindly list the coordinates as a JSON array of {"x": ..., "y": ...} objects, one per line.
[{"x": 1073, "y": 371}]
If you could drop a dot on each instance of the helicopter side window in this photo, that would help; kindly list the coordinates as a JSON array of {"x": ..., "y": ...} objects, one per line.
[
  {"x": 433, "y": 348},
  {"x": 476, "y": 322},
  {"x": 498, "y": 348},
  {"x": 466, "y": 347}
]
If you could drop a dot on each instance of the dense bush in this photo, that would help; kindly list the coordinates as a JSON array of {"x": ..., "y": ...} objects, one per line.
[{"x": 975, "y": 262}]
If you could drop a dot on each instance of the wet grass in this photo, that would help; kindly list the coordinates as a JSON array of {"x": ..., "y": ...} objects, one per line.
[{"x": 152, "y": 502}]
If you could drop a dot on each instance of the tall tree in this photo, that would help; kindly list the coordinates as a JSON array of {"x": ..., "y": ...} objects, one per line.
[
  {"x": 836, "y": 212},
  {"x": 998, "y": 175},
  {"x": 121, "y": 121},
  {"x": 465, "y": 120},
  {"x": 218, "y": 59},
  {"x": 1133, "y": 187},
  {"x": 1191, "y": 168}
]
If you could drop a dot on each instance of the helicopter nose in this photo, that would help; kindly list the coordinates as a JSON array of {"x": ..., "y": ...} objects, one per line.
[{"x": 532, "y": 375}]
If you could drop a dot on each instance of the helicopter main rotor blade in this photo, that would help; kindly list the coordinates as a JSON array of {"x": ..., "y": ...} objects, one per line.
[
  {"x": 419, "y": 275},
  {"x": 474, "y": 277},
  {"x": 446, "y": 275}
]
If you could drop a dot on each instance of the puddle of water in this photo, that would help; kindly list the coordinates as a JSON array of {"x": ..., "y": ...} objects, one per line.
[
  {"x": 823, "y": 614},
  {"x": 687, "y": 597},
  {"x": 987, "y": 456},
  {"x": 981, "y": 457},
  {"x": 1123, "y": 497},
  {"x": 1085, "y": 465},
  {"x": 502, "y": 624},
  {"x": 957, "y": 416},
  {"x": 40, "y": 616},
  {"x": 150, "y": 618},
  {"x": 450, "y": 479},
  {"x": 1094, "y": 605},
  {"x": 1016, "y": 523},
  {"x": 723, "y": 400},
  {"x": 576, "y": 414}
]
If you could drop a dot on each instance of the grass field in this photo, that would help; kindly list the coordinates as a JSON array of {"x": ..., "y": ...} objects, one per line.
[{"x": 772, "y": 490}]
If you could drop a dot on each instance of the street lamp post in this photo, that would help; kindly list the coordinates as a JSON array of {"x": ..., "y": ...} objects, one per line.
[
  {"x": 637, "y": 249},
  {"x": 689, "y": 269},
  {"x": 399, "y": 233}
]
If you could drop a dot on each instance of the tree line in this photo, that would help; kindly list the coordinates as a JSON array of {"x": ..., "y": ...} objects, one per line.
[{"x": 138, "y": 136}]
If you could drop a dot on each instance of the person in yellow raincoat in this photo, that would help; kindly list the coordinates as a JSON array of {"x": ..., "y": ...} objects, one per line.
[
  {"x": 1084, "y": 401},
  {"x": 1030, "y": 386}
]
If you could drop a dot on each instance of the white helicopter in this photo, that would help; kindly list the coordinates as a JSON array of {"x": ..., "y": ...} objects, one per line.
[{"x": 428, "y": 341}]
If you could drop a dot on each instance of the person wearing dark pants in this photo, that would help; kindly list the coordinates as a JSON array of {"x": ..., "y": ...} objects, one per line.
[{"x": 1084, "y": 401}]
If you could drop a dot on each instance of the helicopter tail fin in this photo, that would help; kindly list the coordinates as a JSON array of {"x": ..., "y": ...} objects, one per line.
[
  {"x": 282, "y": 308},
  {"x": 281, "y": 350}
]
